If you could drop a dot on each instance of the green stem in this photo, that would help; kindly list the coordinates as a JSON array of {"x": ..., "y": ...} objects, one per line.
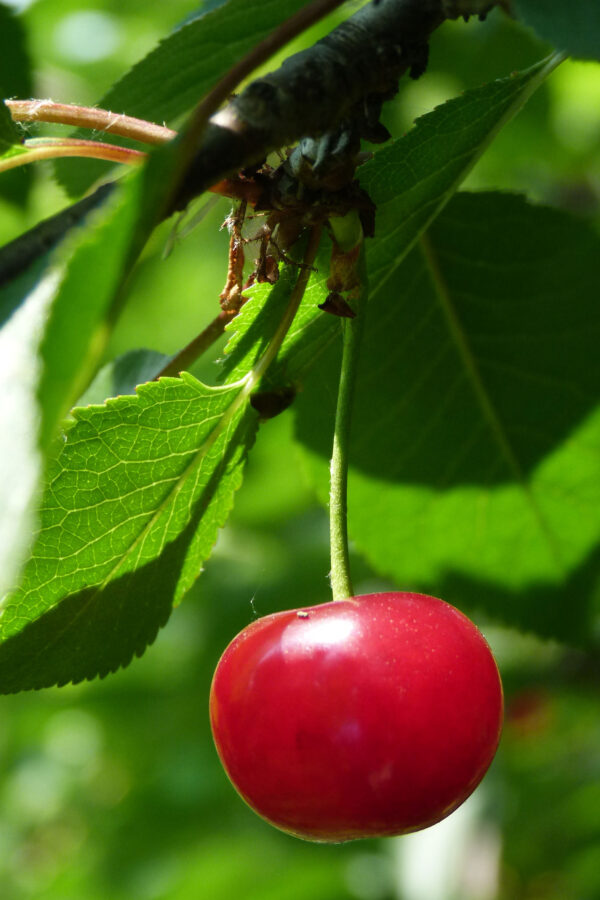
[{"x": 352, "y": 330}]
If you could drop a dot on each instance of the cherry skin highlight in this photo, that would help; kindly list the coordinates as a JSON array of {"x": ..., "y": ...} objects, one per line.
[{"x": 367, "y": 717}]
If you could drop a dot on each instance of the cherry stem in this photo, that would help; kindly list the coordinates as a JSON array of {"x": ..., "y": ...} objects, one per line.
[
  {"x": 38, "y": 149},
  {"x": 352, "y": 333},
  {"x": 89, "y": 117}
]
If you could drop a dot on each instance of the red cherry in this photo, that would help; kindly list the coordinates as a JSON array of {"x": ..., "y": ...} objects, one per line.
[{"x": 372, "y": 716}]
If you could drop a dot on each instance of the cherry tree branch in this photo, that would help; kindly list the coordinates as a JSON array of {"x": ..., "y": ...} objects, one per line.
[
  {"x": 341, "y": 80},
  {"x": 347, "y": 74}
]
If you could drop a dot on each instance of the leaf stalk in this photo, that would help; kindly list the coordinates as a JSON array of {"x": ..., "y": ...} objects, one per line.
[
  {"x": 89, "y": 117},
  {"x": 38, "y": 149}
]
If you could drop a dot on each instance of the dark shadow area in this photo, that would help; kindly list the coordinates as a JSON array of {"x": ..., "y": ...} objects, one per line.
[{"x": 479, "y": 387}]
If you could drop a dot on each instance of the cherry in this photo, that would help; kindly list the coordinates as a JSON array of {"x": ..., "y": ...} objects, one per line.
[{"x": 372, "y": 716}]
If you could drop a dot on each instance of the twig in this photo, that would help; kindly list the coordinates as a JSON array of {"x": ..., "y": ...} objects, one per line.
[
  {"x": 89, "y": 117},
  {"x": 39, "y": 149},
  {"x": 259, "y": 54},
  {"x": 312, "y": 91}
]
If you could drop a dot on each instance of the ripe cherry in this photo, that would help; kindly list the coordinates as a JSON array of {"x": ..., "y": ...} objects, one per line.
[{"x": 372, "y": 716}]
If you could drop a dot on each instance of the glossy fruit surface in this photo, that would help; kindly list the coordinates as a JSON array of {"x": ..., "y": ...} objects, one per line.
[{"x": 366, "y": 717}]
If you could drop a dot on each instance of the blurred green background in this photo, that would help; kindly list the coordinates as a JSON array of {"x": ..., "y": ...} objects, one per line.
[{"x": 112, "y": 789}]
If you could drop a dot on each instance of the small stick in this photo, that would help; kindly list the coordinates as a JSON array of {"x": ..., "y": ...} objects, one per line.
[{"x": 89, "y": 117}]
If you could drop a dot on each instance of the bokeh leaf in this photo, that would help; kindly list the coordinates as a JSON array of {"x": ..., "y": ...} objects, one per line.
[
  {"x": 132, "y": 508},
  {"x": 572, "y": 27},
  {"x": 15, "y": 81},
  {"x": 8, "y": 148},
  {"x": 476, "y": 438},
  {"x": 123, "y": 374}
]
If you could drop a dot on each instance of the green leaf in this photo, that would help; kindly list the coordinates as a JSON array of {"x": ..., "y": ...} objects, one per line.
[
  {"x": 45, "y": 336},
  {"x": 60, "y": 340},
  {"x": 571, "y": 27},
  {"x": 76, "y": 331},
  {"x": 15, "y": 81},
  {"x": 184, "y": 66},
  {"x": 475, "y": 460},
  {"x": 412, "y": 179},
  {"x": 32, "y": 250},
  {"x": 20, "y": 459},
  {"x": 132, "y": 508},
  {"x": 8, "y": 149}
]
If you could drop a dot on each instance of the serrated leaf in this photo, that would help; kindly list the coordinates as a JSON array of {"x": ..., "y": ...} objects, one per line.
[
  {"x": 412, "y": 179},
  {"x": 171, "y": 79},
  {"x": 132, "y": 508},
  {"x": 69, "y": 335},
  {"x": 476, "y": 438},
  {"x": 572, "y": 27}
]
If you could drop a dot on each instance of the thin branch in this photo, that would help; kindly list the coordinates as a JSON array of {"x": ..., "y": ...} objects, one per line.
[
  {"x": 38, "y": 149},
  {"x": 356, "y": 67},
  {"x": 89, "y": 117},
  {"x": 221, "y": 92},
  {"x": 357, "y": 64}
]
